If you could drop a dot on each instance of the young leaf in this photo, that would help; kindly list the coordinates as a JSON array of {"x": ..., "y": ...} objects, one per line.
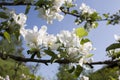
[
  {"x": 81, "y": 32},
  {"x": 113, "y": 46},
  {"x": 71, "y": 70},
  {"x": 50, "y": 53},
  {"x": 27, "y": 9},
  {"x": 95, "y": 24},
  {"x": 7, "y": 36},
  {"x": 89, "y": 55},
  {"x": 3, "y": 15},
  {"x": 106, "y": 15},
  {"x": 84, "y": 41},
  {"x": 40, "y": 3},
  {"x": 38, "y": 55},
  {"x": 108, "y": 22},
  {"x": 78, "y": 70},
  {"x": 94, "y": 16},
  {"x": 111, "y": 78},
  {"x": 17, "y": 34},
  {"x": 74, "y": 12},
  {"x": 53, "y": 59}
]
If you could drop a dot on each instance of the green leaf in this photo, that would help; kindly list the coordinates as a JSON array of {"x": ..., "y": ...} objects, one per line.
[
  {"x": 3, "y": 15},
  {"x": 18, "y": 1},
  {"x": 111, "y": 78},
  {"x": 94, "y": 16},
  {"x": 106, "y": 15},
  {"x": 81, "y": 32},
  {"x": 7, "y": 36},
  {"x": 17, "y": 34},
  {"x": 27, "y": 9},
  {"x": 40, "y": 3},
  {"x": 113, "y": 46},
  {"x": 78, "y": 71},
  {"x": 71, "y": 70},
  {"x": 53, "y": 59},
  {"x": 74, "y": 12},
  {"x": 94, "y": 24},
  {"x": 84, "y": 41},
  {"x": 38, "y": 55},
  {"x": 78, "y": 21},
  {"x": 108, "y": 22},
  {"x": 52, "y": 54},
  {"x": 89, "y": 55},
  {"x": 115, "y": 55}
]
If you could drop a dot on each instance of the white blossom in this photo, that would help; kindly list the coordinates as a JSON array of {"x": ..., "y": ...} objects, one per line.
[
  {"x": 35, "y": 37},
  {"x": 20, "y": 19},
  {"x": 58, "y": 4},
  {"x": 74, "y": 49},
  {"x": 69, "y": 1},
  {"x": 23, "y": 76},
  {"x": 50, "y": 15},
  {"x": 119, "y": 77},
  {"x": 1, "y": 78},
  {"x": 53, "y": 12},
  {"x": 117, "y": 37},
  {"x": 7, "y": 77},
  {"x": 68, "y": 39},
  {"x": 50, "y": 41},
  {"x": 86, "y": 9},
  {"x": 73, "y": 52},
  {"x": 81, "y": 61},
  {"x": 84, "y": 78},
  {"x": 86, "y": 47},
  {"x": 65, "y": 40}
]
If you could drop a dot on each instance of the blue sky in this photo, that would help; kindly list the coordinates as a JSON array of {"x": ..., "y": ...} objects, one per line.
[{"x": 101, "y": 36}]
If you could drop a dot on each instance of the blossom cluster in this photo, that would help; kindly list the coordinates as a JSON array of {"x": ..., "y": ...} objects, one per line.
[
  {"x": 86, "y": 9},
  {"x": 19, "y": 19},
  {"x": 6, "y": 78},
  {"x": 65, "y": 42},
  {"x": 53, "y": 12}
]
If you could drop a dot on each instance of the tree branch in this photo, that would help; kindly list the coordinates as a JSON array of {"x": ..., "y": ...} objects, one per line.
[
  {"x": 78, "y": 15},
  {"x": 22, "y": 59},
  {"x": 14, "y": 4},
  {"x": 24, "y": 4}
]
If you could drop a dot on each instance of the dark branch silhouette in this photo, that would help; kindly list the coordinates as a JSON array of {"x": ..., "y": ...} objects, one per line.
[
  {"x": 64, "y": 61},
  {"x": 14, "y": 4},
  {"x": 22, "y": 59}
]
